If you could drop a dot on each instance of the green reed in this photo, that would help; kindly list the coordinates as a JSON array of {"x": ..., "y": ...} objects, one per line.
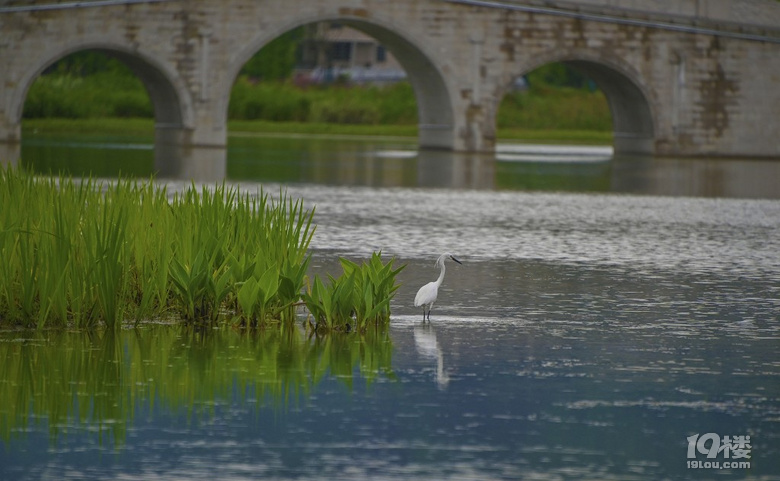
[
  {"x": 358, "y": 298},
  {"x": 85, "y": 253}
]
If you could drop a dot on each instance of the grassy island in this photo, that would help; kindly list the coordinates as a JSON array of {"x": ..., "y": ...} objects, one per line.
[{"x": 84, "y": 253}]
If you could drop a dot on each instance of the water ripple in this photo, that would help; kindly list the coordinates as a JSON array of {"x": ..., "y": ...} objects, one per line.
[{"x": 737, "y": 237}]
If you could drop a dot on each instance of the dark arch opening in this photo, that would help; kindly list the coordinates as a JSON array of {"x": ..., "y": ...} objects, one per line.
[
  {"x": 434, "y": 111},
  {"x": 164, "y": 98},
  {"x": 435, "y": 116},
  {"x": 140, "y": 90},
  {"x": 632, "y": 118},
  {"x": 627, "y": 106}
]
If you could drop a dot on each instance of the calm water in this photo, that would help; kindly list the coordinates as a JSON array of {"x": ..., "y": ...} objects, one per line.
[
  {"x": 395, "y": 162},
  {"x": 585, "y": 336}
]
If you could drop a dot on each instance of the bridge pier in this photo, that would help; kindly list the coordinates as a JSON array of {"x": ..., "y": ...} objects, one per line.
[
  {"x": 176, "y": 156},
  {"x": 10, "y": 153},
  {"x": 435, "y": 137},
  {"x": 632, "y": 143},
  {"x": 461, "y": 170},
  {"x": 10, "y": 141}
]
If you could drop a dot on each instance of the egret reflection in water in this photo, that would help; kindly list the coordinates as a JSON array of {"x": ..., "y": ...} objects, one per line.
[{"x": 428, "y": 347}]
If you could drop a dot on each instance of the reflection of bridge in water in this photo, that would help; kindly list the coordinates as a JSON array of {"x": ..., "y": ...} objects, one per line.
[
  {"x": 598, "y": 170},
  {"x": 396, "y": 162},
  {"x": 681, "y": 78}
]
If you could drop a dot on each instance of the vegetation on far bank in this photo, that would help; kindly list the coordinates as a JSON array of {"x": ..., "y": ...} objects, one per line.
[
  {"x": 145, "y": 127},
  {"x": 556, "y": 104}
]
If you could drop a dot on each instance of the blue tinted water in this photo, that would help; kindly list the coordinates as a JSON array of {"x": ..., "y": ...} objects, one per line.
[{"x": 585, "y": 336}]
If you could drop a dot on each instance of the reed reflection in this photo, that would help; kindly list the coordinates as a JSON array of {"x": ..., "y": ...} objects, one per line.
[
  {"x": 95, "y": 381},
  {"x": 68, "y": 379}
]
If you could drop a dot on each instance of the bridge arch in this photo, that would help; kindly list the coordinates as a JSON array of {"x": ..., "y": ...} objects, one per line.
[
  {"x": 173, "y": 110},
  {"x": 630, "y": 102},
  {"x": 436, "y": 118}
]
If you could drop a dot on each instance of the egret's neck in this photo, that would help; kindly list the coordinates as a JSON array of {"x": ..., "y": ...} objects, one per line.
[{"x": 441, "y": 274}]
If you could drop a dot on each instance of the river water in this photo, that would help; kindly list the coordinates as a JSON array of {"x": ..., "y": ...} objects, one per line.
[{"x": 596, "y": 324}]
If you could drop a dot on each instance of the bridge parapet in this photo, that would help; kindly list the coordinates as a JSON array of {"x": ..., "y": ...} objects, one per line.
[{"x": 757, "y": 17}]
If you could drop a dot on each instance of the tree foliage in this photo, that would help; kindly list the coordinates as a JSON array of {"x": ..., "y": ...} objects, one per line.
[
  {"x": 277, "y": 59},
  {"x": 86, "y": 63},
  {"x": 558, "y": 75}
]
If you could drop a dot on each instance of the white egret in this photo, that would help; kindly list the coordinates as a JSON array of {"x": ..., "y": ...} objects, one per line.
[{"x": 427, "y": 294}]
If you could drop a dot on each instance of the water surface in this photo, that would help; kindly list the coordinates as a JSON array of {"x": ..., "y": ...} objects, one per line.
[
  {"x": 396, "y": 162},
  {"x": 587, "y": 334}
]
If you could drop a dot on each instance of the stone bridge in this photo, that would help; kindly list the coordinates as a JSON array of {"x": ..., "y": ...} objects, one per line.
[{"x": 682, "y": 78}]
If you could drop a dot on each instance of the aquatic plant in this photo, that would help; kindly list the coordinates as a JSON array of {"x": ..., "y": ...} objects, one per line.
[
  {"x": 375, "y": 286},
  {"x": 359, "y": 297},
  {"x": 84, "y": 253},
  {"x": 88, "y": 252}
]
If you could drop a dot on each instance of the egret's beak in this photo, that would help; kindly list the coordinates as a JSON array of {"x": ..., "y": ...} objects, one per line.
[{"x": 456, "y": 260}]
